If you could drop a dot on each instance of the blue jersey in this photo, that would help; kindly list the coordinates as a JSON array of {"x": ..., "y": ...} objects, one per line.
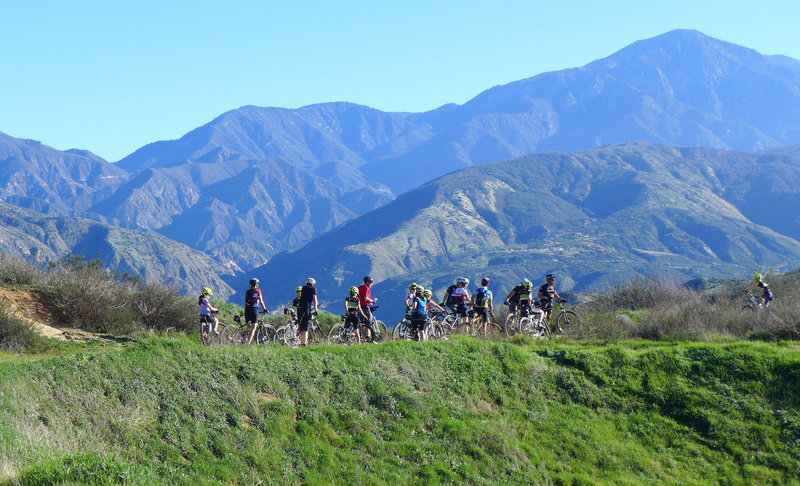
[{"x": 481, "y": 297}]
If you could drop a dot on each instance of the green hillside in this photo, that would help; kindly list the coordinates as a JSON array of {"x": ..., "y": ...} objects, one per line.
[{"x": 168, "y": 411}]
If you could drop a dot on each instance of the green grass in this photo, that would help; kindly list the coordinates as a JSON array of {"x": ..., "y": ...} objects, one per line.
[{"x": 166, "y": 410}]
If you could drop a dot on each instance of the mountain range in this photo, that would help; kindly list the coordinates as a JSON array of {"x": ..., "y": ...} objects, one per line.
[
  {"x": 253, "y": 186},
  {"x": 591, "y": 217}
]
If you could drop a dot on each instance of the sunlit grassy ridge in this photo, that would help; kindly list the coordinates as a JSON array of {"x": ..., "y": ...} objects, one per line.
[{"x": 167, "y": 410}]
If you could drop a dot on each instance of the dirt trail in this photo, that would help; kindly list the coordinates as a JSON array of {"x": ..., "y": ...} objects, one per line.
[{"x": 28, "y": 305}]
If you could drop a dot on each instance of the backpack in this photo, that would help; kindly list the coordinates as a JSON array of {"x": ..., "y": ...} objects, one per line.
[
  {"x": 250, "y": 298},
  {"x": 421, "y": 309},
  {"x": 480, "y": 297}
]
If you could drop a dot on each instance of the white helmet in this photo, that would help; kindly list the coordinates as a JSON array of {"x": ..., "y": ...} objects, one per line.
[{"x": 311, "y": 281}]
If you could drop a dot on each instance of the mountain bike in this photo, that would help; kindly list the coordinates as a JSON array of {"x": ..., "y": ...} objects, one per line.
[
  {"x": 531, "y": 321},
  {"x": 493, "y": 329},
  {"x": 378, "y": 332},
  {"x": 207, "y": 335},
  {"x": 753, "y": 303},
  {"x": 566, "y": 321},
  {"x": 239, "y": 334},
  {"x": 344, "y": 333},
  {"x": 287, "y": 334},
  {"x": 405, "y": 331}
]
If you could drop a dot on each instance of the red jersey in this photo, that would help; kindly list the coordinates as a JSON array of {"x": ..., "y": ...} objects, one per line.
[{"x": 364, "y": 293}]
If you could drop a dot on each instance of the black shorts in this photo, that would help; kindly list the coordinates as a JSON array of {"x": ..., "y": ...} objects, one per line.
[
  {"x": 351, "y": 319},
  {"x": 303, "y": 320},
  {"x": 251, "y": 314},
  {"x": 482, "y": 312},
  {"x": 418, "y": 323},
  {"x": 460, "y": 310},
  {"x": 546, "y": 305}
]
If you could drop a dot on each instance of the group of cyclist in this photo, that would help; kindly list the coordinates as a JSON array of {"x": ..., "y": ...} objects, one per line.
[{"x": 419, "y": 302}]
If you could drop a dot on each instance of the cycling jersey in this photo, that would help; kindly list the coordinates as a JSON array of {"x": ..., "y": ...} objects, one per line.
[
  {"x": 549, "y": 292},
  {"x": 459, "y": 295},
  {"x": 514, "y": 299},
  {"x": 252, "y": 297},
  {"x": 205, "y": 307},
  {"x": 352, "y": 305},
  {"x": 767, "y": 291},
  {"x": 525, "y": 296},
  {"x": 364, "y": 295}
]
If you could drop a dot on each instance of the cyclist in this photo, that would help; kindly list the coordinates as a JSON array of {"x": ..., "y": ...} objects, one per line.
[
  {"x": 418, "y": 311},
  {"x": 460, "y": 297},
  {"x": 512, "y": 299},
  {"x": 547, "y": 292},
  {"x": 429, "y": 295},
  {"x": 412, "y": 292},
  {"x": 760, "y": 283},
  {"x": 447, "y": 300},
  {"x": 482, "y": 303},
  {"x": 206, "y": 309},
  {"x": 296, "y": 303},
  {"x": 353, "y": 312},
  {"x": 252, "y": 299},
  {"x": 365, "y": 300},
  {"x": 308, "y": 305}
]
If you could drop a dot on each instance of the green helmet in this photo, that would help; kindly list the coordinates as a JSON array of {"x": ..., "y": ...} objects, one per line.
[
  {"x": 427, "y": 293},
  {"x": 526, "y": 284},
  {"x": 412, "y": 285},
  {"x": 757, "y": 276},
  {"x": 206, "y": 291},
  {"x": 299, "y": 288},
  {"x": 353, "y": 290}
]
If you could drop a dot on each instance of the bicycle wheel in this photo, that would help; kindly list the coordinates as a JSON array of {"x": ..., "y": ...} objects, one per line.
[
  {"x": 231, "y": 336},
  {"x": 527, "y": 326},
  {"x": 315, "y": 335},
  {"x": 511, "y": 326},
  {"x": 381, "y": 332},
  {"x": 265, "y": 334},
  {"x": 286, "y": 336},
  {"x": 402, "y": 331},
  {"x": 339, "y": 335},
  {"x": 568, "y": 322},
  {"x": 205, "y": 334},
  {"x": 494, "y": 331}
]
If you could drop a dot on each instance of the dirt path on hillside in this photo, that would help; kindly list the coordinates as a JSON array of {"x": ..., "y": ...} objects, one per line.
[{"x": 29, "y": 306}]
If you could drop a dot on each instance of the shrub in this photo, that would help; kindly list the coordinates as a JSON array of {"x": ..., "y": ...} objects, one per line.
[
  {"x": 161, "y": 308},
  {"x": 16, "y": 271},
  {"x": 17, "y": 336},
  {"x": 641, "y": 293}
]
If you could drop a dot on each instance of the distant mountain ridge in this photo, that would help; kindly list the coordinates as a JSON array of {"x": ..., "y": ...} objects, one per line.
[
  {"x": 593, "y": 216},
  {"x": 681, "y": 88}
]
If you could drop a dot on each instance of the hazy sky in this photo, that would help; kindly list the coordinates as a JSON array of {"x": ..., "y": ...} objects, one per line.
[{"x": 111, "y": 76}]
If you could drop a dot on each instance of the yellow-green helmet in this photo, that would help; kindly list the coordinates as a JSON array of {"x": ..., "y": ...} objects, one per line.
[
  {"x": 427, "y": 293},
  {"x": 206, "y": 291},
  {"x": 353, "y": 290},
  {"x": 299, "y": 288},
  {"x": 757, "y": 276},
  {"x": 412, "y": 285}
]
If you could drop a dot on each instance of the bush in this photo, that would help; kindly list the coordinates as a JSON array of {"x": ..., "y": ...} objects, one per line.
[
  {"x": 641, "y": 293},
  {"x": 16, "y": 271},
  {"x": 17, "y": 336},
  {"x": 161, "y": 308}
]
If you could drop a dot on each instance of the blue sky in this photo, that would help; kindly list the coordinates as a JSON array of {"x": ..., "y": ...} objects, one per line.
[{"x": 111, "y": 76}]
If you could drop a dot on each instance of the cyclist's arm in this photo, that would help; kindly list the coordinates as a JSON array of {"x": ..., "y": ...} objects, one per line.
[
  {"x": 262, "y": 304},
  {"x": 434, "y": 304},
  {"x": 491, "y": 305},
  {"x": 446, "y": 296},
  {"x": 316, "y": 304},
  {"x": 510, "y": 294}
]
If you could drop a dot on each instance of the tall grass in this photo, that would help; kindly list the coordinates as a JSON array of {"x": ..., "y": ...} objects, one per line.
[{"x": 661, "y": 310}]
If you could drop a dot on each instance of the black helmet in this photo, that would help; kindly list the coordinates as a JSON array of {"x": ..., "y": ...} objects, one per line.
[
  {"x": 253, "y": 282},
  {"x": 485, "y": 281},
  {"x": 368, "y": 279}
]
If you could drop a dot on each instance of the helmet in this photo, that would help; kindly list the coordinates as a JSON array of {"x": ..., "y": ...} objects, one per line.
[
  {"x": 253, "y": 282},
  {"x": 757, "y": 276},
  {"x": 485, "y": 281},
  {"x": 353, "y": 290},
  {"x": 420, "y": 290},
  {"x": 462, "y": 280},
  {"x": 368, "y": 279},
  {"x": 206, "y": 291},
  {"x": 299, "y": 288},
  {"x": 311, "y": 281},
  {"x": 427, "y": 293},
  {"x": 550, "y": 276},
  {"x": 526, "y": 284},
  {"x": 458, "y": 280},
  {"x": 412, "y": 285}
]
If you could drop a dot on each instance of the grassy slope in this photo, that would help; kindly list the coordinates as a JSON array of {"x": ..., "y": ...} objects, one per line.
[{"x": 168, "y": 410}]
